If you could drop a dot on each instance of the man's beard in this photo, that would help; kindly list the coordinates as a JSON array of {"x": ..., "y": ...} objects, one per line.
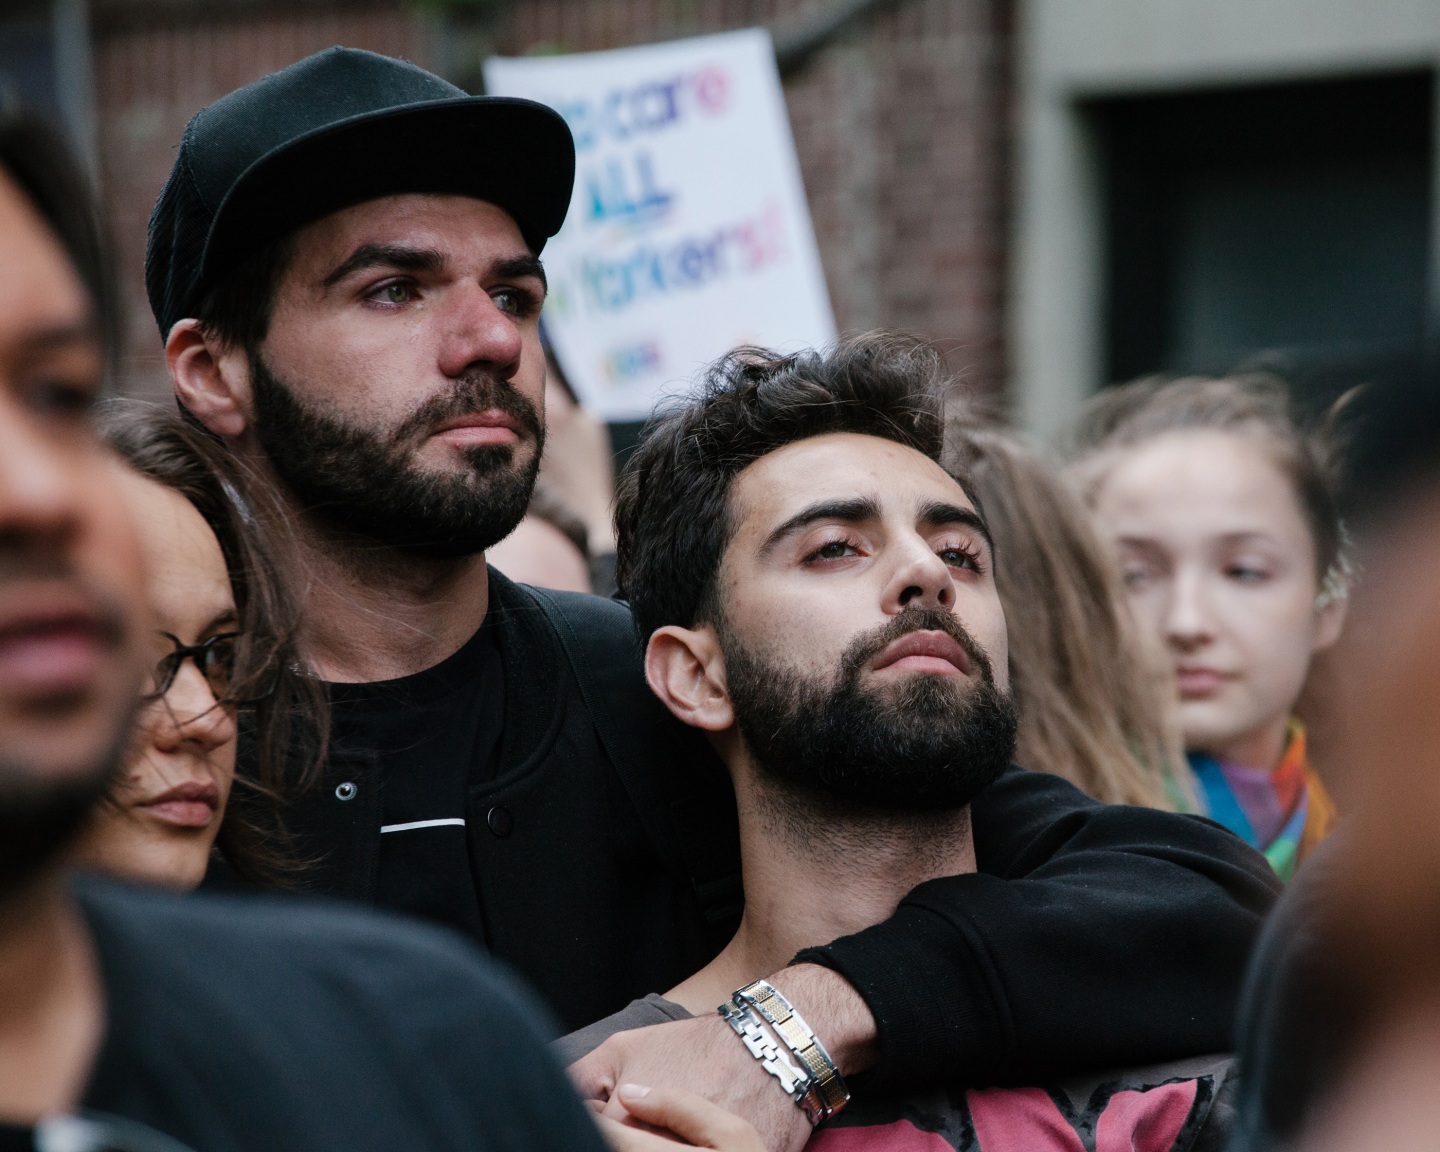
[
  {"x": 928, "y": 745},
  {"x": 43, "y": 809},
  {"x": 362, "y": 481},
  {"x": 39, "y": 818}
]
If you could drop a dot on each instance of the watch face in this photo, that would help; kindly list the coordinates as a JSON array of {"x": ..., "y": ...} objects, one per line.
[{"x": 96, "y": 1132}]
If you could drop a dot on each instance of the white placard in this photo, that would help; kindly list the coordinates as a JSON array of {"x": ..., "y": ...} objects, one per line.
[{"x": 688, "y": 232}]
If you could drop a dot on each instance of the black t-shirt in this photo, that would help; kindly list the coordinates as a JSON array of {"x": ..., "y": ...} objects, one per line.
[
  {"x": 436, "y": 734},
  {"x": 236, "y": 1024}
]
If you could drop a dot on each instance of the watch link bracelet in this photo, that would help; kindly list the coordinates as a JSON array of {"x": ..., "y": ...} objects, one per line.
[{"x": 811, "y": 1078}]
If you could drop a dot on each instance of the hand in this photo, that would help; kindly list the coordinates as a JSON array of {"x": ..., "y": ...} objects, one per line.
[
  {"x": 694, "y": 1120},
  {"x": 700, "y": 1057},
  {"x": 703, "y": 1056}
]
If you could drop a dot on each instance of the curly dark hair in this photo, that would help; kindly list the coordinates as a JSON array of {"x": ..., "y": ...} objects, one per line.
[
  {"x": 288, "y": 724},
  {"x": 672, "y": 511}
]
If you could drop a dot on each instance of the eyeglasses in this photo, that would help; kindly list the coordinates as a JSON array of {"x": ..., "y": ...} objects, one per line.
[{"x": 215, "y": 658}]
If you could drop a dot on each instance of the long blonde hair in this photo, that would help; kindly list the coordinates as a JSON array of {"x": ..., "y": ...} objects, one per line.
[{"x": 1094, "y": 704}]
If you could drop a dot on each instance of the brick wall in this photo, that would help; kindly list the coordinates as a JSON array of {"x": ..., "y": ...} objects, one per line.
[{"x": 901, "y": 123}]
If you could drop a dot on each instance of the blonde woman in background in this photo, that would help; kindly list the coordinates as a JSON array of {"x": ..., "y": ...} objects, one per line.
[
  {"x": 1222, "y": 513},
  {"x": 1093, "y": 699}
]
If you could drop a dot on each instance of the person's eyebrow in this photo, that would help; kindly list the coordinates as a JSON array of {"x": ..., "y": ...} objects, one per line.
[
  {"x": 853, "y": 511},
  {"x": 517, "y": 267},
  {"x": 221, "y": 622},
  {"x": 939, "y": 512},
  {"x": 386, "y": 256}
]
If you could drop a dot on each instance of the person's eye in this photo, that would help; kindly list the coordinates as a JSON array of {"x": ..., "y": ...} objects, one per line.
[
  {"x": 1247, "y": 573},
  {"x": 961, "y": 556},
  {"x": 834, "y": 550},
  {"x": 1136, "y": 576},
  {"x": 395, "y": 292},
  {"x": 514, "y": 301},
  {"x": 62, "y": 399}
]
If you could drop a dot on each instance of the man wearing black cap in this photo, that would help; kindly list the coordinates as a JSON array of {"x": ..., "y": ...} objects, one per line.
[{"x": 344, "y": 266}]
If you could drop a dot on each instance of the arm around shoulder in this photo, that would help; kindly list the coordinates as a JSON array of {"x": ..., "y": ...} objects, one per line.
[{"x": 1094, "y": 936}]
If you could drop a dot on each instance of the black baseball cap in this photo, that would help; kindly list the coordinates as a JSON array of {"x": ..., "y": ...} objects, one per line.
[{"x": 333, "y": 130}]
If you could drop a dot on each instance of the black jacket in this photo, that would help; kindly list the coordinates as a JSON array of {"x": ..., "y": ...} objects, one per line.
[
  {"x": 1301, "y": 1021},
  {"x": 265, "y": 1025},
  {"x": 1093, "y": 936}
]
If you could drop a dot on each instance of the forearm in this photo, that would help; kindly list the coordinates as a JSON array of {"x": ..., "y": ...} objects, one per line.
[
  {"x": 834, "y": 1010},
  {"x": 1094, "y": 936}
]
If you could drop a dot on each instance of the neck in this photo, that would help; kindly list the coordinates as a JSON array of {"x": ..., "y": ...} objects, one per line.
[
  {"x": 368, "y": 612},
  {"x": 1263, "y": 748},
  {"x": 52, "y": 1010},
  {"x": 812, "y": 874}
]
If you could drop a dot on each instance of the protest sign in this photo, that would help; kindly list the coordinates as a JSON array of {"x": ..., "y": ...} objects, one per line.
[{"x": 688, "y": 232}]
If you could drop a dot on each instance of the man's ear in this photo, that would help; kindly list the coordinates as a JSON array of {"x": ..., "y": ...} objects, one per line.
[
  {"x": 684, "y": 667},
  {"x": 211, "y": 381}
]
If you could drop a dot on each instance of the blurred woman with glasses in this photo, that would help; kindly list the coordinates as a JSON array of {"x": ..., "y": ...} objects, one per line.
[{"x": 222, "y": 663}]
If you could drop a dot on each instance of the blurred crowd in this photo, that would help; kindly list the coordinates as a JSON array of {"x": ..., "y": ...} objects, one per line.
[{"x": 372, "y": 755}]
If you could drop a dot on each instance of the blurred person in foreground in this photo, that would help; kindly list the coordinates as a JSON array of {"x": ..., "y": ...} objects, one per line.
[
  {"x": 1222, "y": 512},
  {"x": 222, "y": 651},
  {"x": 218, "y": 1022},
  {"x": 345, "y": 268},
  {"x": 821, "y": 600},
  {"x": 1340, "y": 1022},
  {"x": 1093, "y": 696}
]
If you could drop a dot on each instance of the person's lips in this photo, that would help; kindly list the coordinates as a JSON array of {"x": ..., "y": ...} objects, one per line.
[
  {"x": 53, "y": 640},
  {"x": 1196, "y": 682},
  {"x": 489, "y": 427},
  {"x": 924, "y": 651},
  {"x": 188, "y": 805}
]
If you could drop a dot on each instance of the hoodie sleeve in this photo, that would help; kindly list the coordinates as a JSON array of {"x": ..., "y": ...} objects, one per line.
[{"x": 1094, "y": 936}]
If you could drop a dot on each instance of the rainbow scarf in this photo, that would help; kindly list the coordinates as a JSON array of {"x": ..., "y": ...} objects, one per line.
[{"x": 1283, "y": 812}]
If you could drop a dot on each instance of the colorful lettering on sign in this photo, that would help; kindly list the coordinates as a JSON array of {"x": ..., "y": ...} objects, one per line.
[
  {"x": 624, "y": 364},
  {"x": 613, "y": 197},
  {"x": 624, "y": 113},
  {"x": 612, "y": 284}
]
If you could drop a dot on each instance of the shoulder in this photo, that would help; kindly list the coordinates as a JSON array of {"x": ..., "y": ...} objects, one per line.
[
  {"x": 1298, "y": 1020},
  {"x": 580, "y": 607},
  {"x": 1027, "y": 817},
  {"x": 358, "y": 1030},
  {"x": 293, "y": 949}
]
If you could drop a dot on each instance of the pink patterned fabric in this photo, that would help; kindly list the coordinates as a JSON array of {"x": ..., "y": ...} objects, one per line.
[
  {"x": 1144, "y": 1121},
  {"x": 1020, "y": 1120},
  {"x": 1029, "y": 1120}
]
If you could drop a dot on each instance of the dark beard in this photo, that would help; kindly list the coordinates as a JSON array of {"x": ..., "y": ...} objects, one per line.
[
  {"x": 40, "y": 815},
  {"x": 361, "y": 481},
  {"x": 39, "y": 818},
  {"x": 928, "y": 747}
]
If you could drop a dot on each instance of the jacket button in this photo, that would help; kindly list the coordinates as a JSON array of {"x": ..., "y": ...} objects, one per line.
[
  {"x": 346, "y": 791},
  {"x": 500, "y": 821}
]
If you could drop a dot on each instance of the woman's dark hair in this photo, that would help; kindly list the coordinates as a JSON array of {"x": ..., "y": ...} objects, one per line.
[
  {"x": 672, "y": 510},
  {"x": 287, "y": 725},
  {"x": 37, "y": 158}
]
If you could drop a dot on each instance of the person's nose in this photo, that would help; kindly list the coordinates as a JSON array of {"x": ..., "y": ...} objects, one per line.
[
  {"x": 477, "y": 332},
  {"x": 1188, "y": 624},
  {"x": 190, "y": 718},
  {"x": 919, "y": 578},
  {"x": 38, "y": 498}
]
